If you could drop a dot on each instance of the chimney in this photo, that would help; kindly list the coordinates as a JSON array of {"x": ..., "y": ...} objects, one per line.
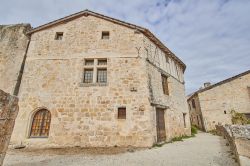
[{"x": 207, "y": 84}]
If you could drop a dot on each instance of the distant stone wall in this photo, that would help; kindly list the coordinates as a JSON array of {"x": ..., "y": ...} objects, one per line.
[
  {"x": 13, "y": 44},
  {"x": 8, "y": 113},
  {"x": 217, "y": 103},
  {"x": 238, "y": 137}
]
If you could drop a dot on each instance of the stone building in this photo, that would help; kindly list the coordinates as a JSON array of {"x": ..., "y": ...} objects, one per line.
[
  {"x": 213, "y": 104},
  {"x": 94, "y": 81}
]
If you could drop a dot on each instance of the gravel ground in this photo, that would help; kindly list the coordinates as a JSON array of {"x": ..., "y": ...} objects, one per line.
[{"x": 203, "y": 150}]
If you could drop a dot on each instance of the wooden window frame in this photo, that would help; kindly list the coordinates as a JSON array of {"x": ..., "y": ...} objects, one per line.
[
  {"x": 40, "y": 124},
  {"x": 165, "y": 84},
  {"x": 121, "y": 113}
]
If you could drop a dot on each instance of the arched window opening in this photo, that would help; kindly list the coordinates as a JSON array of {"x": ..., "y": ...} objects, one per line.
[{"x": 41, "y": 124}]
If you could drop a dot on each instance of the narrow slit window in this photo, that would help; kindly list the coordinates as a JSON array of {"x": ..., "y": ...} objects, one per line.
[
  {"x": 101, "y": 75},
  {"x": 184, "y": 120},
  {"x": 59, "y": 36},
  {"x": 105, "y": 35},
  {"x": 122, "y": 113},
  {"x": 88, "y": 76}
]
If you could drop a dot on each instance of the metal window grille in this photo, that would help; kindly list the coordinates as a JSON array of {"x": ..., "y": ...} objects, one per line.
[
  {"x": 102, "y": 75},
  {"x": 41, "y": 124},
  {"x": 88, "y": 76}
]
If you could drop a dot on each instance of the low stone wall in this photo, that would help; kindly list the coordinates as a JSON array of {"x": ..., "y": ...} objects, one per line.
[
  {"x": 238, "y": 137},
  {"x": 8, "y": 113}
]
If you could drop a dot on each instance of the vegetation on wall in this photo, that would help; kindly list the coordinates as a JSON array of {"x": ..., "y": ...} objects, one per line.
[{"x": 239, "y": 118}]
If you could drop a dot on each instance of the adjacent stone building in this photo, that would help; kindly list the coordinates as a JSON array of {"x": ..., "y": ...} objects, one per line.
[
  {"x": 94, "y": 81},
  {"x": 213, "y": 104}
]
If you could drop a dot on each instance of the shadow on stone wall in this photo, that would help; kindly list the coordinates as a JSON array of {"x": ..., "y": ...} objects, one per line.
[{"x": 8, "y": 113}]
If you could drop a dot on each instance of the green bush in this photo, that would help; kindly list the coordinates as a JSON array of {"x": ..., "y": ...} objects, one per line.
[
  {"x": 239, "y": 118},
  {"x": 193, "y": 130}
]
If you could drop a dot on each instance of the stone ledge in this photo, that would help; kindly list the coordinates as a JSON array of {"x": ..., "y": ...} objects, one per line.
[{"x": 92, "y": 84}]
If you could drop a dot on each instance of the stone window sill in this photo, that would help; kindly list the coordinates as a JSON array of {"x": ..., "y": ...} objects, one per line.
[{"x": 92, "y": 84}]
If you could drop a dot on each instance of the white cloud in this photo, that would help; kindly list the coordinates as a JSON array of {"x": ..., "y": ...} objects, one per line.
[{"x": 212, "y": 37}]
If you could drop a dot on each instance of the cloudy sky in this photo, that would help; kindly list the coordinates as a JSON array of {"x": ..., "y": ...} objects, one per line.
[{"x": 211, "y": 36}]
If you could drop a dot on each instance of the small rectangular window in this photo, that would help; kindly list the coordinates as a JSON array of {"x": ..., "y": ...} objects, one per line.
[
  {"x": 102, "y": 62},
  {"x": 88, "y": 76},
  {"x": 105, "y": 35},
  {"x": 184, "y": 120},
  {"x": 59, "y": 36},
  {"x": 89, "y": 62},
  {"x": 165, "y": 84},
  {"x": 193, "y": 103},
  {"x": 122, "y": 113},
  {"x": 101, "y": 75},
  {"x": 167, "y": 59}
]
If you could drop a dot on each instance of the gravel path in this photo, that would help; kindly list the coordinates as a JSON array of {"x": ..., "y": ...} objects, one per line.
[{"x": 203, "y": 150}]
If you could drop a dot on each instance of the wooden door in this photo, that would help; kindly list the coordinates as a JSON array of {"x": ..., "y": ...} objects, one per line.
[{"x": 160, "y": 125}]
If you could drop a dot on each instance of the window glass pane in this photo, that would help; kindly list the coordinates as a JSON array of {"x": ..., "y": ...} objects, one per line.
[
  {"x": 89, "y": 62},
  {"x": 102, "y": 62},
  {"x": 88, "y": 76},
  {"x": 102, "y": 75}
]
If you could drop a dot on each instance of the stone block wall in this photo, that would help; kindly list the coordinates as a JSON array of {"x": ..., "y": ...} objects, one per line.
[
  {"x": 217, "y": 103},
  {"x": 13, "y": 45},
  {"x": 238, "y": 137},
  {"x": 8, "y": 113},
  {"x": 86, "y": 115},
  {"x": 195, "y": 113}
]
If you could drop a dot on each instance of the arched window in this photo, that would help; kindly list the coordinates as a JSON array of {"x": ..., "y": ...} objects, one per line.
[{"x": 40, "y": 124}]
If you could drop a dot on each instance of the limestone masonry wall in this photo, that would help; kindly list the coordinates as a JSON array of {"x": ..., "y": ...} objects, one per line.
[
  {"x": 218, "y": 102},
  {"x": 86, "y": 114},
  {"x": 215, "y": 105},
  {"x": 13, "y": 44},
  {"x": 8, "y": 113}
]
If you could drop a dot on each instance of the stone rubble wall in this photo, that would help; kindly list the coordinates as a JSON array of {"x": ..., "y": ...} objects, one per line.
[
  {"x": 8, "y": 113},
  {"x": 238, "y": 137},
  {"x": 13, "y": 44}
]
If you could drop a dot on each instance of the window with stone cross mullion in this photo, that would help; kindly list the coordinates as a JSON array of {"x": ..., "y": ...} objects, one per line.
[{"x": 96, "y": 70}]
